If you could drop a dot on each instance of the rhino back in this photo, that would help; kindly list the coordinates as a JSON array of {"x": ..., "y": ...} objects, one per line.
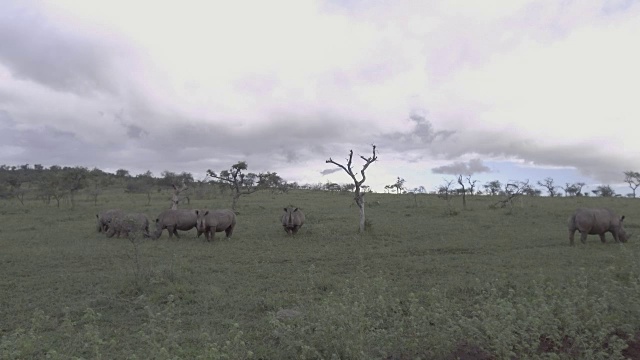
[
  {"x": 595, "y": 220},
  {"x": 182, "y": 219},
  {"x": 222, "y": 219}
]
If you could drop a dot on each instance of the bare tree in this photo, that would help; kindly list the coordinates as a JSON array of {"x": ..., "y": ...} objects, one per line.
[
  {"x": 359, "y": 193},
  {"x": 633, "y": 179},
  {"x": 472, "y": 184},
  {"x": 512, "y": 190},
  {"x": 463, "y": 191},
  {"x": 175, "y": 198},
  {"x": 240, "y": 183},
  {"x": 548, "y": 184},
  {"x": 446, "y": 193}
]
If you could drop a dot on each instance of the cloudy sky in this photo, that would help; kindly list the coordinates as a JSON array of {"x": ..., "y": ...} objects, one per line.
[{"x": 507, "y": 90}]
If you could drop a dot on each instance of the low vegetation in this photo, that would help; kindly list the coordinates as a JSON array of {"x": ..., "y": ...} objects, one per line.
[{"x": 427, "y": 279}]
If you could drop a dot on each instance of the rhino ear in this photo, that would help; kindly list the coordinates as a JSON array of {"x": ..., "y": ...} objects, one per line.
[
  {"x": 206, "y": 212},
  {"x": 622, "y": 218},
  {"x": 285, "y": 209},
  {"x": 97, "y": 217},
  {"x": 296, "y": 209},
  {"x": 196, "y": 212}
]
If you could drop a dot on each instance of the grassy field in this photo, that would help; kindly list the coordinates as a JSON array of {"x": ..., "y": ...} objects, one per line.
[{"x": 421, "y": 283}]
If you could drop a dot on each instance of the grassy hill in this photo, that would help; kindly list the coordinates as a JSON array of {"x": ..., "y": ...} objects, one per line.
[{"x": 420, "y": 283}]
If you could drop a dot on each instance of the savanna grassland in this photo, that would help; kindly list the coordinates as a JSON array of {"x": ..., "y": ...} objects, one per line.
[{"x": 420, "y": 283}]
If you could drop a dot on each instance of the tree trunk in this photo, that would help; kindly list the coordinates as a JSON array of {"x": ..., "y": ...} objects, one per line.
[
  {"x": 360, "y": 202},
  {"x": 236, "y": 196}
]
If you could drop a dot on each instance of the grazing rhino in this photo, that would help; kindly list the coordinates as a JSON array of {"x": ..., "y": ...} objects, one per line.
[
  {"x": 104, "y": 217},
  {"x": 212, "y": 221},
  {"x": 596, "y": 221},
  {"x": 292, "y": 220},
  {"x": 127, "y": 224},
  {"x": 174, "y": 220}
]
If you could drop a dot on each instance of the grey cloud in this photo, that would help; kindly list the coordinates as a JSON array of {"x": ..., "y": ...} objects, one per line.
[
  {"x": 474, "y": 166},
  {"x": 135, "y": 132},
  {"x": 35, "y": 48},
  {"x": 589, "y": 160},
  {"x": 329, "y": 171},
  {"x": 421, "y": 138}
]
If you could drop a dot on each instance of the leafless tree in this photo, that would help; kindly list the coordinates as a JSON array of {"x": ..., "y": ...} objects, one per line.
[
  {"x": 446, "y": 193},
  {"x": 633, "y": 179},
  {"x": 463, "y": 191},
  {"x": 512, "y": 190},
  {"x": 548, "y": 184},
  {"x": 359, "y": 193},
  {"x": 175, "y": 198},
  {"x": 472, "y": 185}
]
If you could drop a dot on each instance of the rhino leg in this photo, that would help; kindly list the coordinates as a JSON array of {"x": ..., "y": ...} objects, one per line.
[
  {"x": 583, "y": 237},
  {"x": 571, "y": 236},
  {"x": 615, "y": 236},
  {"x": 604, "y": 240},
  {"x": 295, "y": 229},
  {"x": 175, "y": 232},
  {"x": 229, "y": 231}
]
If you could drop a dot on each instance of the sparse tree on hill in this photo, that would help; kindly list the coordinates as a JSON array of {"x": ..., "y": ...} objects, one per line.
[
  {"x": 574, "y": 189},
  {"x": 240, "y": 182},
  {"x": 493, "y": 187},
  {"x": 74, "y": 179},
  {"x": 547, "y": 183},
  {"x": 142, "y": 184},
  {"x": 472, "y": 185},
  {"x": 512, "y": 190},
  {"x": 176, "y": 198},
  {"x": 633, "y": 179},
  {"x": 604, "y": 191},
  {"x": 359, "y": 193},
  {"x": 445, "y": 192},
  {"x": 122, "y": 173},
  {"x": 463, "y": 191},
  {"x": 398, "y": 185},
  {"x": 16, "y": 189},
  {"x": 415, "y": 192}
]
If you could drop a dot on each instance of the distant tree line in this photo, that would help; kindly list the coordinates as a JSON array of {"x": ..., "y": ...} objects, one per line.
[
  {"x": 61, "y": 185},
  {"x": 548, "y": 185},
  {"x": 57, "y": 184}
]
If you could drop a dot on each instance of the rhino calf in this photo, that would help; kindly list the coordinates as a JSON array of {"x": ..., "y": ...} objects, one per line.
[
  {"x": 104, "y": 217},
  {"x": 212, "y": 221},
  {"x": 174, "y": 220},
  {"x": 292, "y": 220},
  {"x": 596, "y": 221},
  {"x": 125, "y": 225}
]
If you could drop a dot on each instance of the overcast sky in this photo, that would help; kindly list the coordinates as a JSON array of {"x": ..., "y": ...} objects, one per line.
[{"x": 507, "y": 90}]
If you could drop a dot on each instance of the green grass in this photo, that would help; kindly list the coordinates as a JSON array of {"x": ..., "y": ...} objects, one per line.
[{"x": 419, "y": 284}]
